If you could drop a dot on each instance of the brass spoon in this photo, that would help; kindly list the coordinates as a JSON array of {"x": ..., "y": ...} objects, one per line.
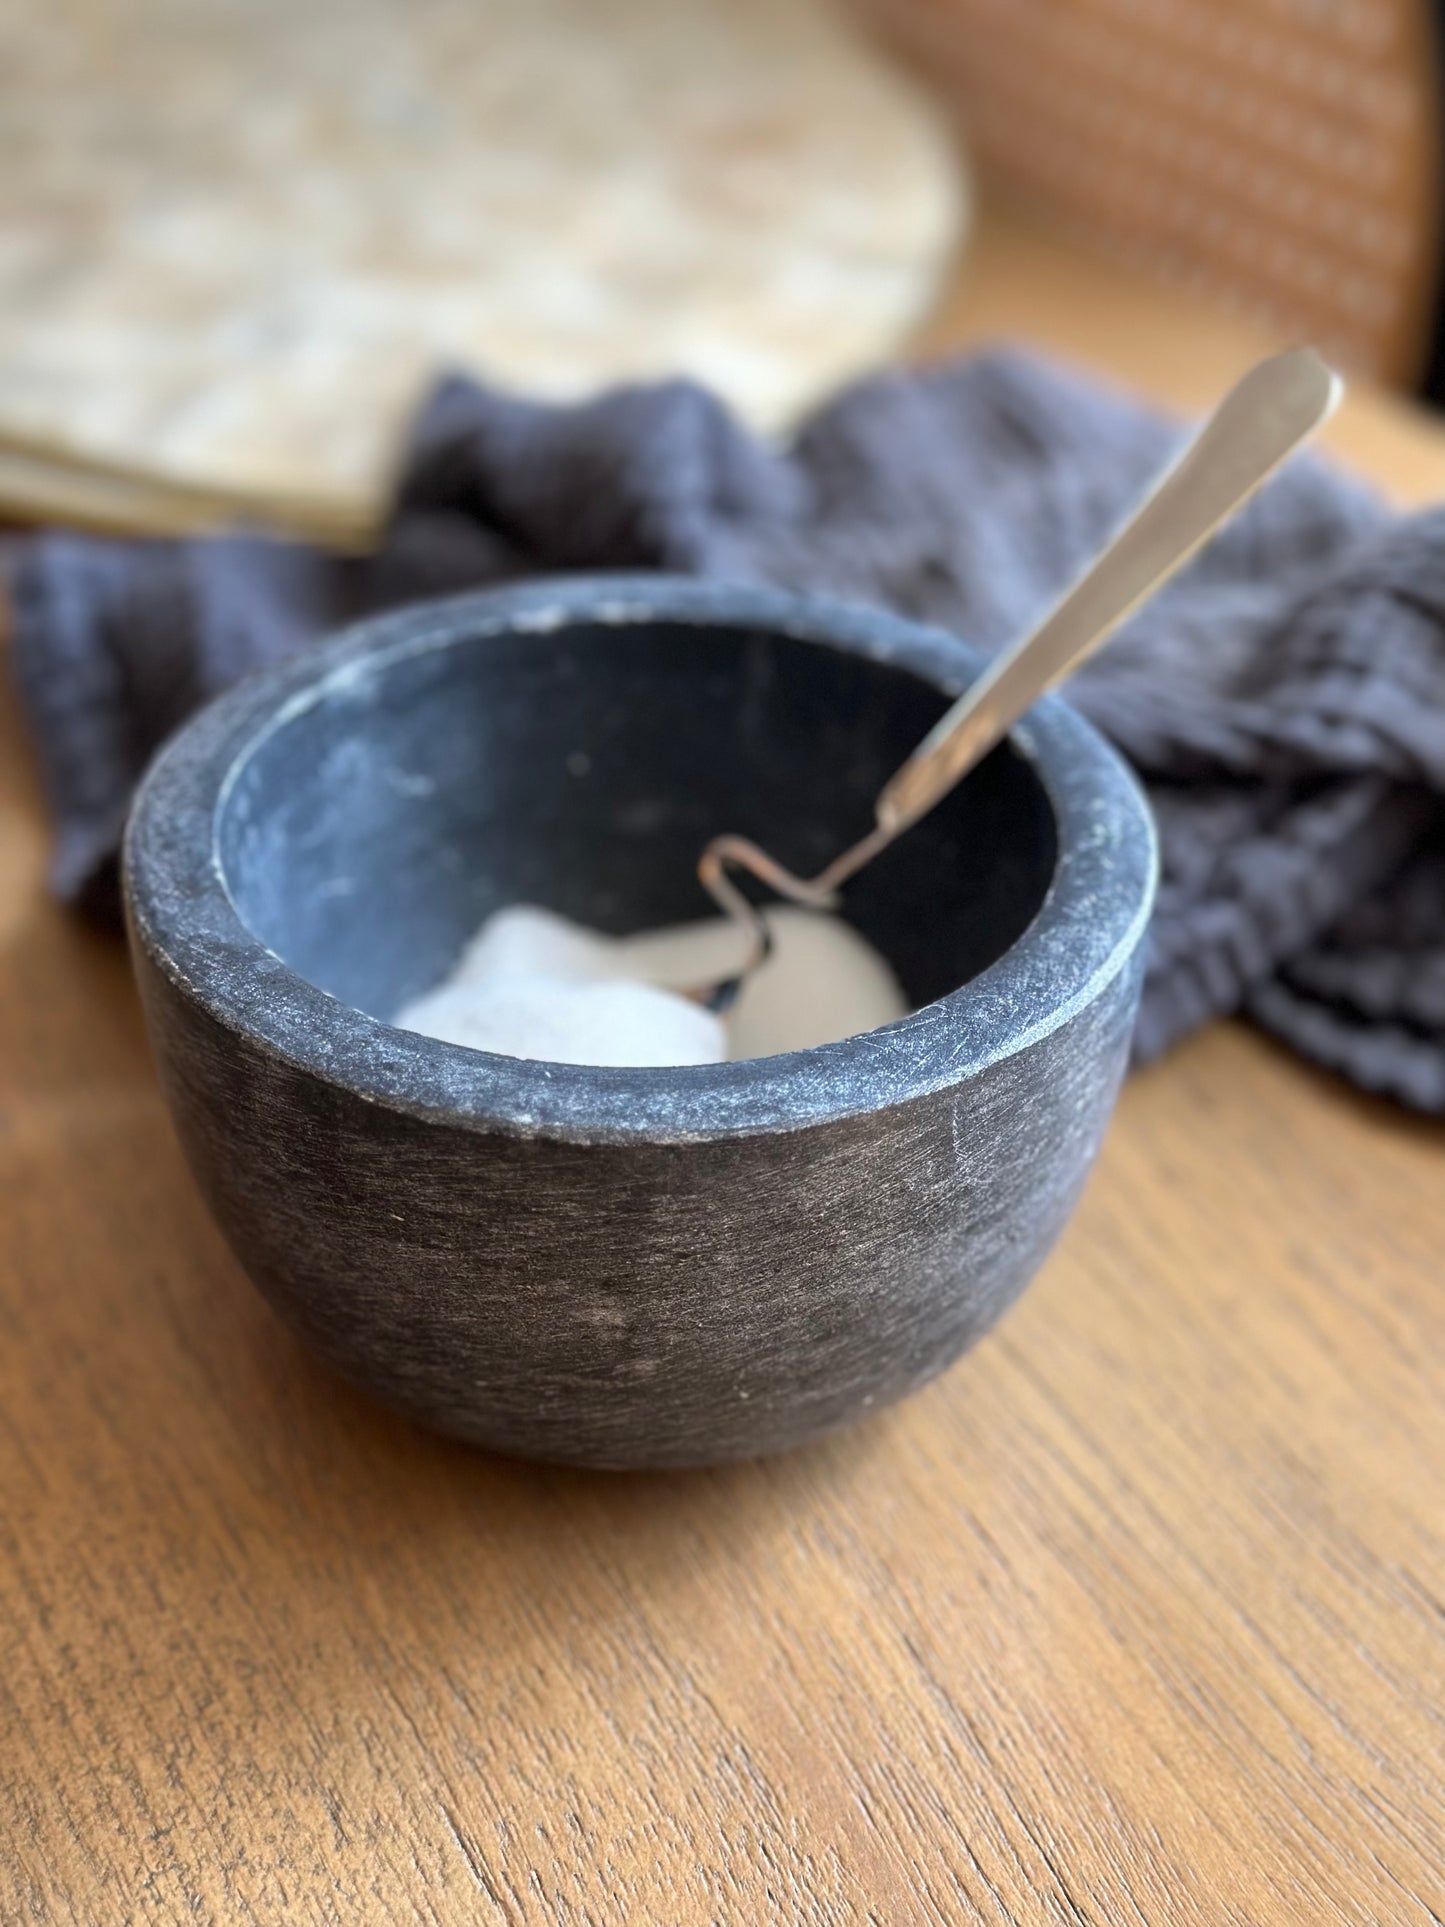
[{"x": 1262, "y": 420}]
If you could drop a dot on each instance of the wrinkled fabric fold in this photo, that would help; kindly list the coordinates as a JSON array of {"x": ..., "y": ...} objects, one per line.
[{"x": 1283, "y": 701}]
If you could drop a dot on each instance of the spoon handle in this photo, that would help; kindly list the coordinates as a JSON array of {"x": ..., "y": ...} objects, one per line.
[{"x": 1264, "y": 418}]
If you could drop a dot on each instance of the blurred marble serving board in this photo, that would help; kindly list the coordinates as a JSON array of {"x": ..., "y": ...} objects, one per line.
[{"x": 237, "y": 237}]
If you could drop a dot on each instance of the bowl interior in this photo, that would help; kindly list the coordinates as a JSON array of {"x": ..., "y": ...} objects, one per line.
[{"x": 368, "y": 832}]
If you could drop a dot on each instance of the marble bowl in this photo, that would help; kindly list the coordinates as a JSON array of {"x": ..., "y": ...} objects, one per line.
[{"x": 628, "y": 1267}]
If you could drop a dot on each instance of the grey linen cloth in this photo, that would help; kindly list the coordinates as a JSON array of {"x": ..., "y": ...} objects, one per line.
[{"x": 1284, "y": 701}]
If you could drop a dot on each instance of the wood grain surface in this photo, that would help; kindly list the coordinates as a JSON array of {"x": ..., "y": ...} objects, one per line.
[{"x": 1138, "y": 1616}]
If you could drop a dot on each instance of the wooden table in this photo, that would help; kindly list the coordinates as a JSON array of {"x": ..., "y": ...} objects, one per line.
[{"x": 1138, "y": 1616}]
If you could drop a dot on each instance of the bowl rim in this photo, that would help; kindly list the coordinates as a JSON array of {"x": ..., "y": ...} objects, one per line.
[{"x": 182, "y": 917}]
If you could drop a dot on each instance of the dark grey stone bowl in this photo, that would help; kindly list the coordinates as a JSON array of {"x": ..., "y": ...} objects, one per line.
[{"x": 628, "y": 1267}]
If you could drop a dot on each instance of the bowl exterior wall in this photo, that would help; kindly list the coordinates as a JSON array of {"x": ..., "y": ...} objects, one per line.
[{"x": 639, "y": 1303}]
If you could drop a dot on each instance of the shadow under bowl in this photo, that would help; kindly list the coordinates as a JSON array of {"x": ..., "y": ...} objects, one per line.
[{"x": 610, "y": 1266}]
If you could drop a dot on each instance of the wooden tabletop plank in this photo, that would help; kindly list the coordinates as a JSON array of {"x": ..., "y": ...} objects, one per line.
[{"x": 1137, "y": 1616}]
